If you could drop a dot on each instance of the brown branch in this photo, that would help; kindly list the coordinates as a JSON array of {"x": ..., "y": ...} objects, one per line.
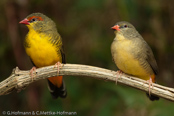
[{"x": 19, "y": 79}]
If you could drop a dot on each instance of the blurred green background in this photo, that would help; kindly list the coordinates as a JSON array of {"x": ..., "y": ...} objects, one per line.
[{"x": 85, "y": 26}]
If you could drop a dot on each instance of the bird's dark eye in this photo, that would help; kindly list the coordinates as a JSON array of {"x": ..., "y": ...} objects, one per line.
[
  {"x": 125, "y": 26},
  {"x": 33, "y": 19}
]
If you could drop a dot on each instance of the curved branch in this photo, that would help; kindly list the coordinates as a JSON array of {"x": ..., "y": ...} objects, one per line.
[{"x": 19, "y": 79}]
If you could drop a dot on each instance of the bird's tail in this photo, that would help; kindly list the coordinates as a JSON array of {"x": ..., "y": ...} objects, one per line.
[{"x": 57, "y": 87}]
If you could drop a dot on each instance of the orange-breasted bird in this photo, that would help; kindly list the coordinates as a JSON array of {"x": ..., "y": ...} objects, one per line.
[
  {"x": 44, "y": 46},
  {"x": 132, "y": 54}
]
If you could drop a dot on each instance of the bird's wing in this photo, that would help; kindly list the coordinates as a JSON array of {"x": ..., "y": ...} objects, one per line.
[
  {"x": 151, "y": 60},
  {"x": 148, "y": 56},
  {"x": 57, "y": 41},
  {"x": 63, "y": 55}
]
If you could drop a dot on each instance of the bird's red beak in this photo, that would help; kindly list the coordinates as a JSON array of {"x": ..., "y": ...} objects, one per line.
[
  {"x": 25, "y": 21},
  {"x": 116, "y": 27}
]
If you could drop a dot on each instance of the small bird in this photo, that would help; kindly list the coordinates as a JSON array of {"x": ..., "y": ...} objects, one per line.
[
  {"x": 44, "y": 46},
  {"x": 132, "y": 54}
]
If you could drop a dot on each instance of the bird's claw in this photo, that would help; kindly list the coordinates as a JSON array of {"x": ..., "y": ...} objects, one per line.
[
  {"x": 58, "y": 65},
  {"x": 118, "y": 73},
  {"x": 33, "y": 69}
]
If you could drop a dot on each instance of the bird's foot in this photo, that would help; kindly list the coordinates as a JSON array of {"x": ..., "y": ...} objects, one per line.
[
  {"x": 118, "y": 73},
  {"x": 58, "y": 65},
  {"x": 150, "y": 84},
  {"x": 33, "y": 69}
]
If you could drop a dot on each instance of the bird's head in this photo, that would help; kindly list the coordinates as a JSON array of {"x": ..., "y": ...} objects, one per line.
[
  {"x": 39, "y": 22},
  {"x": 122, "y": 27}
]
